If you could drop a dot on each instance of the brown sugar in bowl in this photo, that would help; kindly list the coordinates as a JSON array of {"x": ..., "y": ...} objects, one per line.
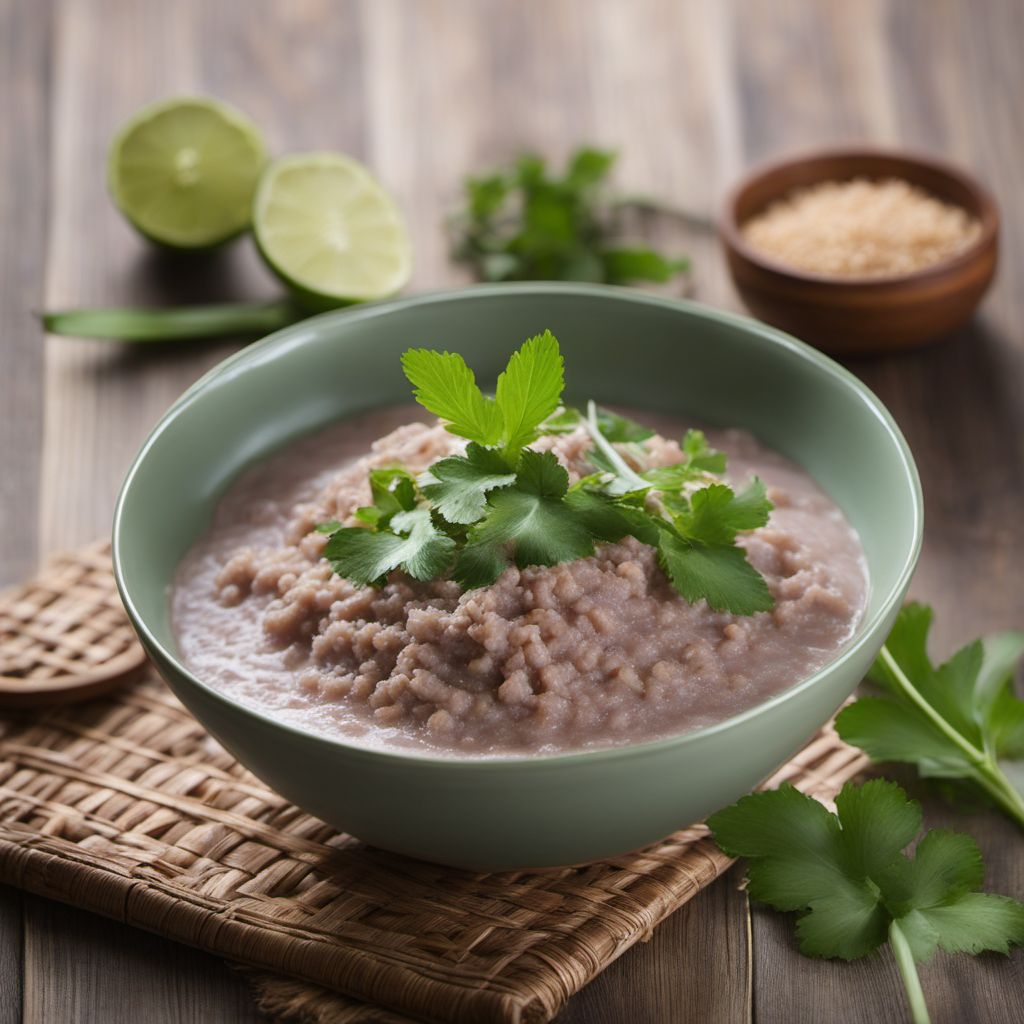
[{"x": 847, "y": 315}]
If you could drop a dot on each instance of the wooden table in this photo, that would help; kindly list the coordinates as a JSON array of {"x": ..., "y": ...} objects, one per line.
[{"x": 691, "y": 92}]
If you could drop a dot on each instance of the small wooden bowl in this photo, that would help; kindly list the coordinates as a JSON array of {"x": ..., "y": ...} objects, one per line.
[
  {"x": 854, "y": 315},
  {"x": 64, "y": 635}
]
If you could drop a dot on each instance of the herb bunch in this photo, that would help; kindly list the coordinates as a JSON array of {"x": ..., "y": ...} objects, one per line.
[
  {"x": 471, "y": 516},
  {"x": 525, "y": 223},
  {"x": 854, "y": 889}
]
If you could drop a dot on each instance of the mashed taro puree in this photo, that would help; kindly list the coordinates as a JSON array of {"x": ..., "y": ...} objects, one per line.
[{"x": 597, "y": 652}]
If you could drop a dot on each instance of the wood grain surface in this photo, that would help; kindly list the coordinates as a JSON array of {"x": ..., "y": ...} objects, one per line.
[{"x": 424, "y": 91}]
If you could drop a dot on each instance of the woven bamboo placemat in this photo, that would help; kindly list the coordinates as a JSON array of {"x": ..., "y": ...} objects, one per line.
[{"x": 123, "y": 805}]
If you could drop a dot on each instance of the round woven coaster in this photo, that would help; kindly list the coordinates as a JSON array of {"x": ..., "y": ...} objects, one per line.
[{"x": 64, "y": 635}]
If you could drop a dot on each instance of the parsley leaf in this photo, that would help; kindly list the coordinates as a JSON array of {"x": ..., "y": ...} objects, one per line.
[
  {"x": 958, "y": 720},
  {"x": 529, "y": 390},
  {"x": 458, "y": 485},
  {"x": 446, "y": 386},
  {"x": 852, "y": 886},
  {"x": 525, "y": 223}
]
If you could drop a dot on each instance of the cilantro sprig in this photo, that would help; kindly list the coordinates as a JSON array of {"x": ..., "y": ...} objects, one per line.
[
  {"x": 854, "y": 889},
  {"x": 471, "y": 516},
  {"x": 959, "y": 720},
  {"x": 525, "y": 223}
]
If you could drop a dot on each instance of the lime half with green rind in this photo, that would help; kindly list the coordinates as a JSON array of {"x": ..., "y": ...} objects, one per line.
[
  {"x": 330, "y": 231},
  {"x": 184, "y": 171}
]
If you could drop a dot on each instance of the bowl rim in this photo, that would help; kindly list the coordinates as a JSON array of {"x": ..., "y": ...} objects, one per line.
[
  {"x": 484, "y": 762},
  {"x": 987, "y": 215}
]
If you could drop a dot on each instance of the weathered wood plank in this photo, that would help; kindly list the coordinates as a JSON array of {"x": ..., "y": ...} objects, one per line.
[
  {"x": 24, "y": 145},
  {"x": 80, "y": 968},
  {"x": 696, "y": 968},
  {"x": 11, "y": 966}
]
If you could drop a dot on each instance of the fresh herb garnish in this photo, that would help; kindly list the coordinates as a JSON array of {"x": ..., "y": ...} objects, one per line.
[
  {"x": 852, "y": 886},
  {"x": 526, "y": 224},
  {"x": 955, "y": 721},
  {"x": 471, "y": 516}
]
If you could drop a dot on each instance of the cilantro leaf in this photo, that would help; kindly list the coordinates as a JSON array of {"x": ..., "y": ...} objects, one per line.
[
  {"x": 890, "y": 731},
  {"x": 958, "y": 720},
  {"x": 621, "y": 429},
  {"x": 846, "y": 876},
  {"x": 975, "y": 923},
  {"x": 460, "y": 484},
  {"x": 534, "y": 517},
  {"x": 700, "y": 455},
  {"x": 486, "y": 194},
  {"x": 529, "y": 390},
  {"x": 393, "y": 490},
  {"x": 716, "y": 514},
  {"x": 414, "y": 544},
  {"x": 610, "y": 520},
  {"x": 589, "y": 166},
  {"x": 479, "y": 564},
  {"x": 722, "y": 576},
  {"x": 542, "y": 474},
  {"x": 430, "y": 551},
  {"x": 671, "y": 479},
  {"x": 639, "y": 264},
  {"x": 446, "y": 386},
  {"x": 699, "y": 460}
]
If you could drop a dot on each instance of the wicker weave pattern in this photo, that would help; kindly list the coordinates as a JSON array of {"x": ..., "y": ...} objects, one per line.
[
  {"x": 125, "y": 806},
  {"x": 67, "y": 625}
]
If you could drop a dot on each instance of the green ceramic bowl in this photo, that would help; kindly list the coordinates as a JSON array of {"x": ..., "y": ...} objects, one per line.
[{"x": 620, "y": 347}]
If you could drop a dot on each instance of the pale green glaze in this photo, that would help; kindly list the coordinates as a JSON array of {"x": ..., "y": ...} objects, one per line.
[{"x": 620, "y": 346}]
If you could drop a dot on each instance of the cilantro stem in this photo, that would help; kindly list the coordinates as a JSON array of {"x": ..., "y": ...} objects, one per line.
[
  {"x": 911, "y": 692},
  {"x": 650, "y": 204},
  {"x": 908, "y": 969},
  {"x": 985, "y": 769},
  {"x": 622, "y": 467}
]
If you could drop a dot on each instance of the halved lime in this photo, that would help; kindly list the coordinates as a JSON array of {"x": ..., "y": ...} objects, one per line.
[
  {"x": 184, "y": 171},
  {"x": 328, "y": 229}
]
